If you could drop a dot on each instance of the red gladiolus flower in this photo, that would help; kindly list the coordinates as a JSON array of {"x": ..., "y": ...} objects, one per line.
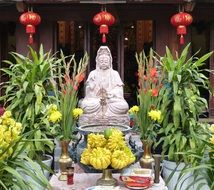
[
  {"x": 67, "y": 79},
  {"x": 76, "y": 87},
  {"x": 145, "y": 77},
  {"x": 155, "y": 80},
  {"x": 80, "y": 77},
  {"x": 155, "y": 92},
  {"x": 153, "y": 72}
]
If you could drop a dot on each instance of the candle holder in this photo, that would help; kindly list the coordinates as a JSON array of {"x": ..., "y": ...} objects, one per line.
[{"x": 157, "y": 158}]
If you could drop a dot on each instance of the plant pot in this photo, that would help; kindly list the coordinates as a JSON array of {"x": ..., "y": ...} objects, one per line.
[
  {"x": 65, "y": 160},
  {"x": 184, "y": 181},
  {"x": 147, "y": 160}
]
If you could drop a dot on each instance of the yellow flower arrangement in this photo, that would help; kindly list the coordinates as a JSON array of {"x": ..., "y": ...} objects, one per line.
[
  {"x": 9, "y": 133},
  {"x": 103, "y": 151}
]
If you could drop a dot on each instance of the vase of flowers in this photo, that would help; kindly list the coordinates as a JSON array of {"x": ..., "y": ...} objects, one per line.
[
  {"x": 146, "y": 114},
  {"x": 65, "y": 81},
  {"x": 147, "y": 159}
]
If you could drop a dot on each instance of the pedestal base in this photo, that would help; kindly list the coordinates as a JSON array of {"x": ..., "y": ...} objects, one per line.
[{"x": 107, "y": 179}]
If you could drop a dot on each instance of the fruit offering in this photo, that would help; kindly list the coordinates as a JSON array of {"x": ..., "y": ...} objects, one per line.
[{"x": 109, "y": 149}]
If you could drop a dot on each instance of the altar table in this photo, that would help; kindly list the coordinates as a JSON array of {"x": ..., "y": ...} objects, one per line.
[{"x": 85, "y": 180}]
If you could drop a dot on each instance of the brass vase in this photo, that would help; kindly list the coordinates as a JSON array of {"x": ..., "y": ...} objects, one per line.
[
  {"x": 65, "y": 160},
  {"x": 147, "y": 160},
  {"x": 107, "y": 179}
]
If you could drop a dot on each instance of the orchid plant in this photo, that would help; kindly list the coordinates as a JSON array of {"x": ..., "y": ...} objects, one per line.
[
  {"x": 146, "y": 114},
  {"x": 13, "y": 157},
  {"x": 65, "y": 84}
]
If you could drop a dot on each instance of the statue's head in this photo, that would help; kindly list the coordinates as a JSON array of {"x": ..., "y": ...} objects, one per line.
[{"x": 103, "y": 58}]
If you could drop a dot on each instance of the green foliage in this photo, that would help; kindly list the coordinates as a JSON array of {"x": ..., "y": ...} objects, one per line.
[
  {"x": 181, "y": 103},
  {"x": 203, "y": 166},
  {"x": 13, "y": 167},
  {"x": 26, "y": 95}
]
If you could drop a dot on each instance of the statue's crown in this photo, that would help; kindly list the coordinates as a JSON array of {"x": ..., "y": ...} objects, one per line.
[{"x": 103, "y": 50}]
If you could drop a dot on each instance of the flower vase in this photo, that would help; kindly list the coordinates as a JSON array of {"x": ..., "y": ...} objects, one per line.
[
  {"x": 147, "y": 160},
  {"x": 65, "y": 160}
]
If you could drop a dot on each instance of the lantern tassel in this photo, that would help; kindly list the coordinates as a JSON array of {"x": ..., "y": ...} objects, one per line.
[
  {"x": 30, "y": 39},
  {"x": 181, "y": 39},
  {"x": 104, "y": 38}
]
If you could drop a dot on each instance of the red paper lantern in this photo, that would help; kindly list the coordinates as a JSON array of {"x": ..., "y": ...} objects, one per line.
[
  {"x": 104, "y": 20},
  {"x": 30, "y": 20},
  {"x": 181, "y": 20}
]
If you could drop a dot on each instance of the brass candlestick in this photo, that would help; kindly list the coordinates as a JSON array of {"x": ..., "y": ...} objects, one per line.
[{"x": 157, "y": 158}]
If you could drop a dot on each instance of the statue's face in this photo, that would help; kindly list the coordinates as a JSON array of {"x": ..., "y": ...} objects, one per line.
[{"x": 104, "y": 62}]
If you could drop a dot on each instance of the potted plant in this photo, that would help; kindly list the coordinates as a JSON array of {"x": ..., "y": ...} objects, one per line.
[
  {"x": 26, "y": 95},
  {"x": 12, "y": 159},
  {"x": 63, "y": 114},
  {"x": 181, "y": 104},
  {"x": 203, "y": 168},
  {"x": 147, "y": 114}
]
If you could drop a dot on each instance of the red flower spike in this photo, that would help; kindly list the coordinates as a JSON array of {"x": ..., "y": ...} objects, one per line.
[
  {"x": 76, "y": 87},
  {"x": 155, "y": 80},
  {"x": 153, "y": 72},
  {"x": 155, "y": 92},
  {"x": 145, "y": 77}
]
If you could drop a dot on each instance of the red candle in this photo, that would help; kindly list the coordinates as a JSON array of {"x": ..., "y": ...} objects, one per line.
[{"x": 70, "y": 175}]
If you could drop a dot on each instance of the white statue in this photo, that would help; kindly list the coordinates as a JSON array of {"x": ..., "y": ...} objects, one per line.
[{"x": 104, "y": 93}]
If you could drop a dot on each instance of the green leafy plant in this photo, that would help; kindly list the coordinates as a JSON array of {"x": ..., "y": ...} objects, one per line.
[
  {"x": 181, "y": 102},
  {"x": 26, "y": 95},
  {"x": 65, "y": 86},
  {"x": 13, "y": 158},
  {"x": 203, "y": 166},
  {"x": 147, "y": 114}
]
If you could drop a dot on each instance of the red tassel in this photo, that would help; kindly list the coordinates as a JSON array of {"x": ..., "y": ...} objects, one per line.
[
  {"x": 181, "y": 39},
  {"x": 30, "y": 39},
  {"x": 104, "y": 38}
]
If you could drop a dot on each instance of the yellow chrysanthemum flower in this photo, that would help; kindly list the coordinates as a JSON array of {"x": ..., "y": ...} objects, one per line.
[
  {"x": 211, "y": 128},
  {"x": 77, "y": 112},
  {"x": 212, "y": 139},
  {"x": 52, "y": 108},
  {"x": 134, "y": 109},
  {"x": 8, "y": 136},
  {"x": 6, "y": 121},
  {"x": 18, "y": 126},
  {"x": 55, "y": 117},
  {"x": 7, "y": 114},
  {"x": 155, "y": 115}
]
